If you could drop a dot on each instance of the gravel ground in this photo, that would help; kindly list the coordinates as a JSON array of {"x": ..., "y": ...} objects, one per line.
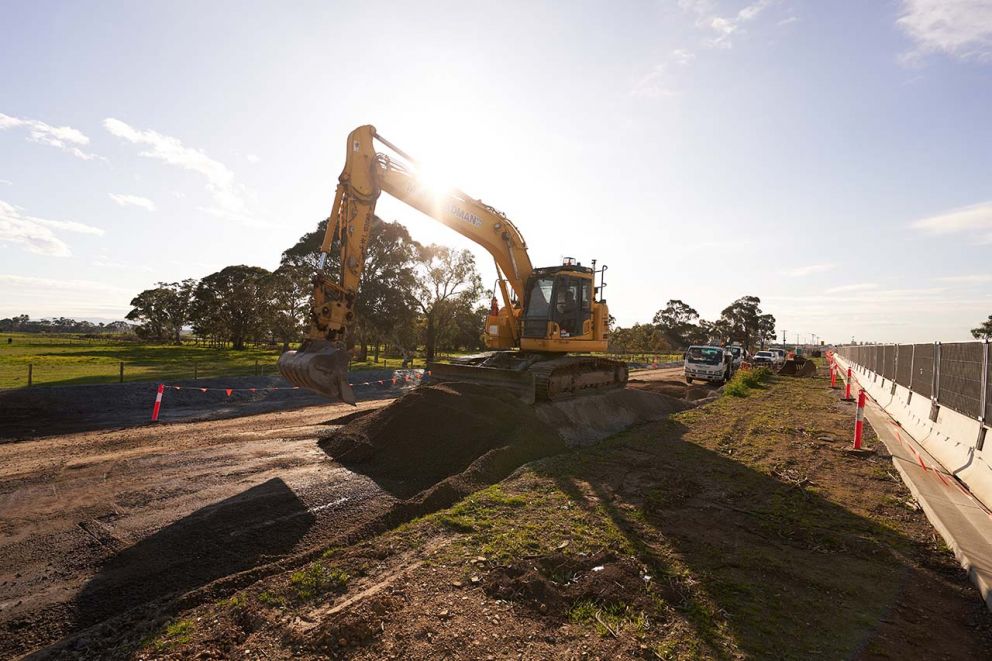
[{"x": 45, "y": 411}]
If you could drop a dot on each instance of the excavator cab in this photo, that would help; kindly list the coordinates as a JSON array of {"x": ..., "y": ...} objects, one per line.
[{"x": 558, "y": 303}]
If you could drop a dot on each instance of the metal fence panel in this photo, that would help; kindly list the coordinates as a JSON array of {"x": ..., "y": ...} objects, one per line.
[
  {"x": 923, "y": 370},
  {"x": 889, "y": 361},
  {"x": 904, "y": 364},
  {"x": 988, "y": 386},
  {"x": 876, "y": 359},
  {"x": 961, "y": 377}
]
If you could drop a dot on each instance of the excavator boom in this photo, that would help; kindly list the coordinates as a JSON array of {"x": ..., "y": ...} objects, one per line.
[{"x": 546, "y": 312}]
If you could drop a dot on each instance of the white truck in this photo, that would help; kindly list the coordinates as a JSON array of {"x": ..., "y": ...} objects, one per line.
[{"x": 708, "y": 363}]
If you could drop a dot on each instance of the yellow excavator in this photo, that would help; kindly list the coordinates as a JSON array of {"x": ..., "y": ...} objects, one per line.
[{"x": 547, "y": 313}]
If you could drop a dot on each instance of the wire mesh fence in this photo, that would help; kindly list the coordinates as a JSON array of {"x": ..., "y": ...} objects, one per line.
[
  {"x": 922, "y": 382},
  {"x": 961, "y": 366},
  {"x": 904, "y": 364},
  {"x": 957, "y": 375},
  {"x": 889, "y": 362}
]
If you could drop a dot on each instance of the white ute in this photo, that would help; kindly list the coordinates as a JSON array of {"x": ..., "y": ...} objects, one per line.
[{"x": 707, "y": 364}]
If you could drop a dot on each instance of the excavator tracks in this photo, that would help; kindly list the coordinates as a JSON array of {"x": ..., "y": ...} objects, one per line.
[
  {"x": 535, "y": 378},
  {"x": 575, "y": 376}
]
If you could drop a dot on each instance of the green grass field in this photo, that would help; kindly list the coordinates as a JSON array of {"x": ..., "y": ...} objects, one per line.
[{"x": 70, "y": 360}]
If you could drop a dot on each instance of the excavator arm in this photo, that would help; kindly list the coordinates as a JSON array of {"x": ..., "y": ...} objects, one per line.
[{"x": 321, "y": 364}]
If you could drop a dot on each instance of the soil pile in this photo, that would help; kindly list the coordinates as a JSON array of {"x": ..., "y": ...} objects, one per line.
[
  {"x": 553, "y": 584},
  {"x": 457, "y": 430}
]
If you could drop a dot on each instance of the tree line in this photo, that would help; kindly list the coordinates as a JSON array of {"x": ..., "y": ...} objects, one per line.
[
  {"x": 410, "y": 295},
  {"x": 24, "y": 324},
  {"x": 678, "y": 325}
]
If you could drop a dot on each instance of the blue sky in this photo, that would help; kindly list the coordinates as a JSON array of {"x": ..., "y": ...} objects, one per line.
[{"x": 831, "y": 158}]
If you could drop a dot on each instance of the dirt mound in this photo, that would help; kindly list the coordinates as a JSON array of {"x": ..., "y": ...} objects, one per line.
[
  {"x": 554, "y": 584},
  {"x": 437, "y": 432},
  {"x": 586, "y": 420}
]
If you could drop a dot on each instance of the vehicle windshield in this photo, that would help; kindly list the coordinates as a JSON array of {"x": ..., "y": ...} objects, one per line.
[
  {"x": 539, "y": 298},
  {"x": 736, "y": 351},
  {"x": 764, "y": 354},
  {"x": 704, "y": 355}
]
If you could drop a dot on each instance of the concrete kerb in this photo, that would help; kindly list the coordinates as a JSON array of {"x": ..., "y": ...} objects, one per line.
[{"x": 960, "y": 518}]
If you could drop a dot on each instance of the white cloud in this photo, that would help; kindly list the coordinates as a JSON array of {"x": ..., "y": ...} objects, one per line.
[
  {"x": 252, "y": 158},
  {"x": 708, "y": 18},
  {"x": 863, "y": 286},
  {"x": 33, "y": 296},
  {"x": 967, "y": 279},
  {"x": 809, "y": 269},
  {"x": 959, "y": 28},
  {"x": 652, "y": 85},
  {"x": 232, "y": 201},
  {"x": 132, "y": 200},
  {"x": 35, "y": 234},
  {"x": 109, "y": 264},
  {"x": 52, "y": 284},
  {"x": 975, "y": 219},
  {"x": 6, "y": 182},
  {"x": 682, "y": 56},
  {"x": 65, "y": 138}
]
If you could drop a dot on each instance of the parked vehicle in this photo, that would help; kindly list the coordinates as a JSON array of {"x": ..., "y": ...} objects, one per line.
[
  {"x": 764, "y": 359},
  {"x": 739, "y": 354},
  {"x": 708, "y": 363},
  {"x": 780, "y": 356}
]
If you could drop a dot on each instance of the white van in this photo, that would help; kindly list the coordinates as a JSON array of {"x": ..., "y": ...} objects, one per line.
[{"x": 708, "y": 363}]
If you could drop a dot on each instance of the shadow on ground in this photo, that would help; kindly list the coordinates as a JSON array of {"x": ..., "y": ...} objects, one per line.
[
  {"x": 759, "y": 566},
  {"x": 219, "y": 540}
]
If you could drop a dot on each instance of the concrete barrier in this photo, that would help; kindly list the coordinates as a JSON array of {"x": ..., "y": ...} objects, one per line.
[{"x": 950, "y": 437}]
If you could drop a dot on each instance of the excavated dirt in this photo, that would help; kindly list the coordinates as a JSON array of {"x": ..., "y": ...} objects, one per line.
[
  {"x": 550, "y": 585},
  {"x": 437, "y": 432}
]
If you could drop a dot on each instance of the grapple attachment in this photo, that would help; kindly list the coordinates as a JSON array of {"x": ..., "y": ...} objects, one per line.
[{"x": 320, "y": 366}]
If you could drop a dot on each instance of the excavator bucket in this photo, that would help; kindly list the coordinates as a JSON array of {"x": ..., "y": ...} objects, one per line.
[{"x": 320, "y": 366}]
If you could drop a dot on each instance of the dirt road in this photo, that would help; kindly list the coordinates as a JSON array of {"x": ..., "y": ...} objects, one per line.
[
  {"x": 98, "y": 522},
  {"x": 93, "y": 524}
]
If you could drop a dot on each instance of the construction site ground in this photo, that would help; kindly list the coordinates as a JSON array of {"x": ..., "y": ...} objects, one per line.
[{"x": 739, "y": 529}]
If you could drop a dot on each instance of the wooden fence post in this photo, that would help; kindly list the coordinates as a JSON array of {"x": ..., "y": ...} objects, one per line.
[
  {"x": 122, "y": 372},
  {"x": 30, "y": 373}
]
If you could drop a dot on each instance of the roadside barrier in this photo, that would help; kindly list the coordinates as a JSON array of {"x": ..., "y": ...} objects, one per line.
[
  {"x": 859, "y": 420},
  {"x": 393, "y": 381},
  {"x": 833, "y": 376},
  {"x": 847, "y": 389},
  {"x": 158, "y": 401}
]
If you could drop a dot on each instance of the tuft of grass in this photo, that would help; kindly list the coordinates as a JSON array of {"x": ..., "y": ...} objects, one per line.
[
  {"x": 236, "y": 601},
  {"x": 609, "y": 619},
  {"x": 744, "y": 380},
  {"x": 316, "y": 580},
  {"x": 270, "y": 599},
  {"x": 177, "y": 632}
]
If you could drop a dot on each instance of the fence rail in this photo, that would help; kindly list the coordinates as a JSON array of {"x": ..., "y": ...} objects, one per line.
[
  {"x": 44, "y": 373},
  {"x": 955, "y": 374}
]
